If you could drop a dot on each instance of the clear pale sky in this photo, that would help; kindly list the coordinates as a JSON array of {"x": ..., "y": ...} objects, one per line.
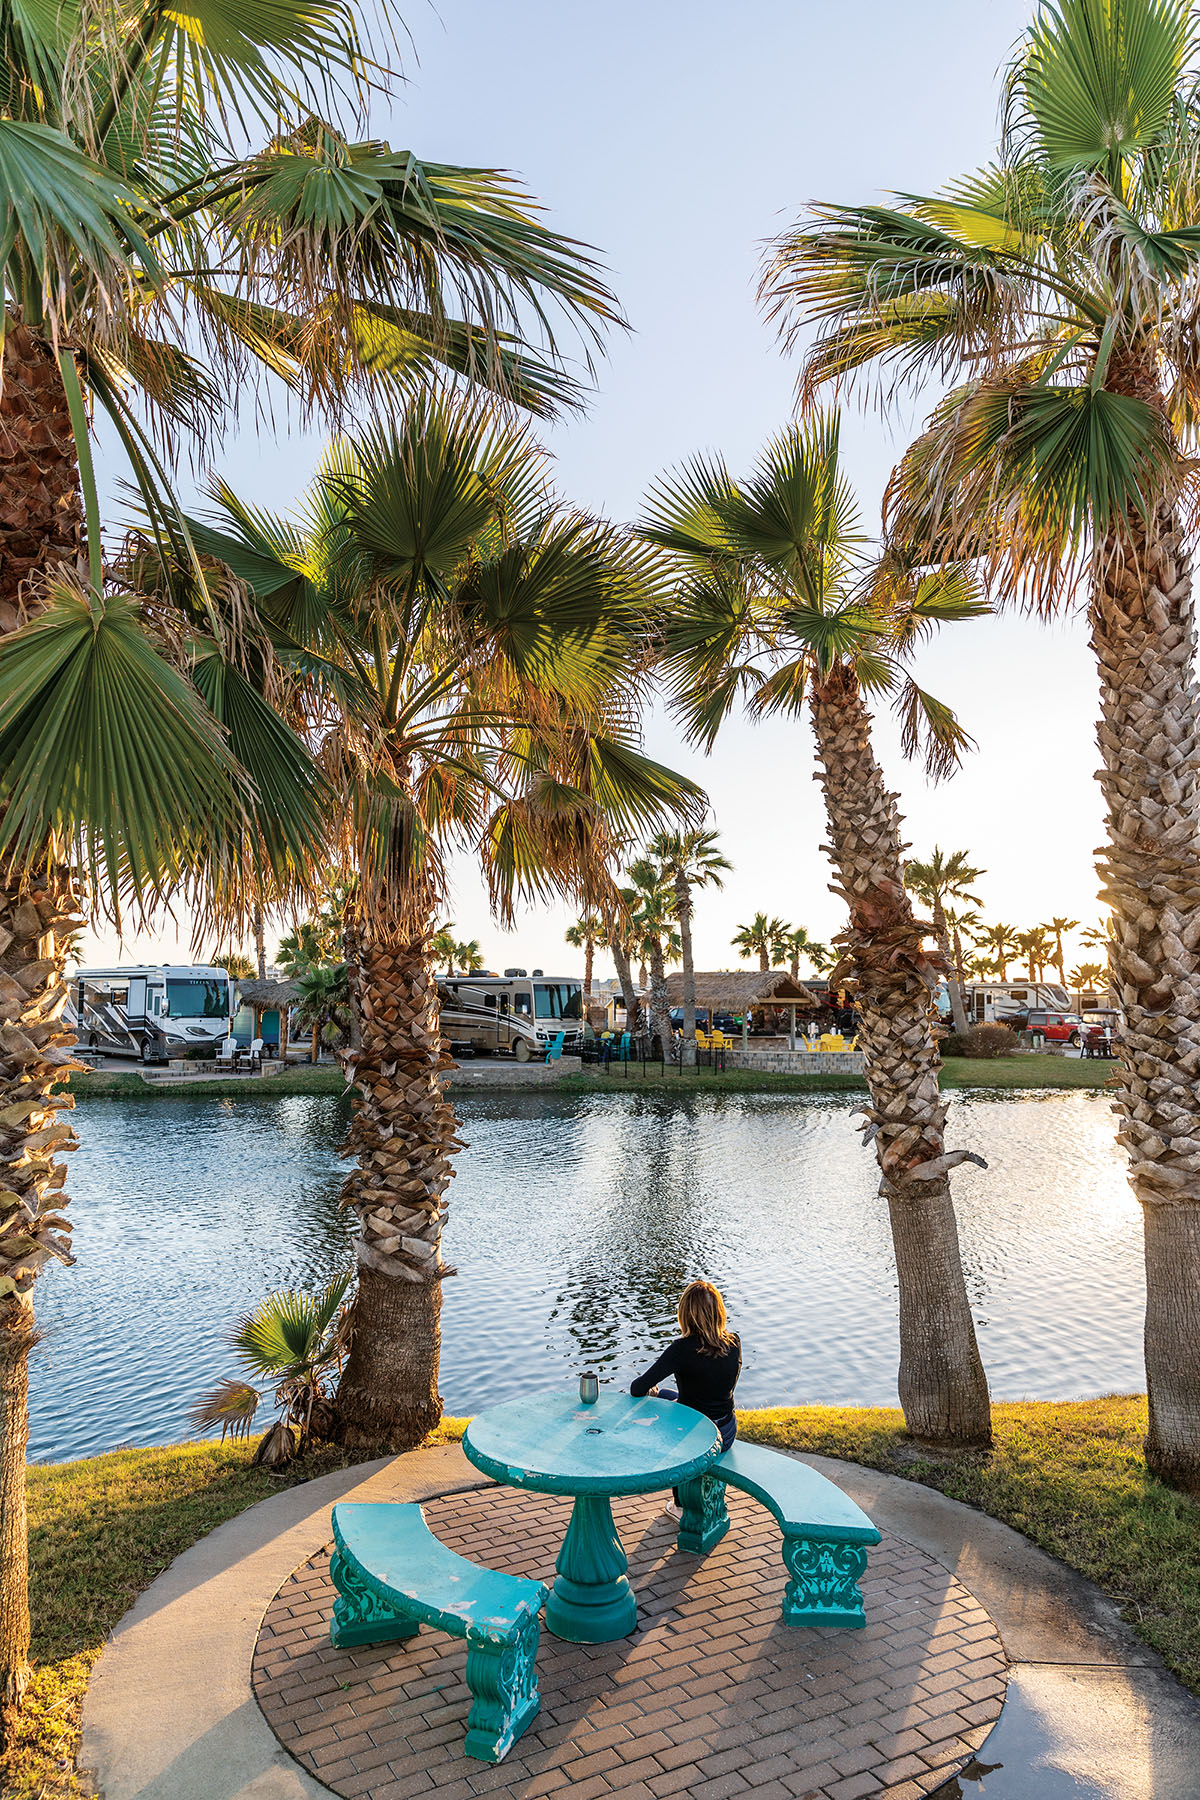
[{"x": 677, "y": 137}]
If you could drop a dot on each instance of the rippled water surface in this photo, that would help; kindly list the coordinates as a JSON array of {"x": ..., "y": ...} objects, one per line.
[{"x": 574, "y": 1223}]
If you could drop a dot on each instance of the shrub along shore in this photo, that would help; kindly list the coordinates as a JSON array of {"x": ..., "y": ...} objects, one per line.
[
  {"x": 1030, "y": 1071},
  {"x": 1068, "y": 1475}
]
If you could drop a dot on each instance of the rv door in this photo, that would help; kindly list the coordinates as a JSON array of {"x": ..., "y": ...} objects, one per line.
[{"x": 135, "y": 1006}]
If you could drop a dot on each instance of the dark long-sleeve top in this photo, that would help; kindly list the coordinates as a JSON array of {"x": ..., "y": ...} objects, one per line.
[{"x": 705, "y": 1379}]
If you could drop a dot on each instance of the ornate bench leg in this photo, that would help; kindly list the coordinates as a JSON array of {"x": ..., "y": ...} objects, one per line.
[
  {"x": 502, "y": 1678},
  {"x": 824, "y": 1585},
  {"x": 705, "y": 1520},
  {"x": 359, "y": 1615}
]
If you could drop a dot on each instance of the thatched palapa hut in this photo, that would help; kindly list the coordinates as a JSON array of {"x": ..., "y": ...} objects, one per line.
[
  {"x": 743, "y": 991},
  {"x": 267, "y": 997}
]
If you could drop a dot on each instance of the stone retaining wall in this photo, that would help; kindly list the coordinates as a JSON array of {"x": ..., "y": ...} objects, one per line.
[{"x": 797, "y": 1062}]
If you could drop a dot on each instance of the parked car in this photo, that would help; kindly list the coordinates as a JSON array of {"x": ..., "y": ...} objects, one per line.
[{"x": 1056, "y": 1027}]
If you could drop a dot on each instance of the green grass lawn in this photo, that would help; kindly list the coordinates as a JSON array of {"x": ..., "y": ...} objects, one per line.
[
  {"x": 958, "y": 1072},
  {"x": 124, "y": 1084},
  {"x": 1069, "y": 1476}
]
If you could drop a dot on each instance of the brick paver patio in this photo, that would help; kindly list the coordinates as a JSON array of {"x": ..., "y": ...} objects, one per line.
[{"x": 711, "y": 1697}]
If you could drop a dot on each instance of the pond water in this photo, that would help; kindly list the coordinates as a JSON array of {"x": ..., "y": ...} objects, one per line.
[{"x": 574, "y": 1223}]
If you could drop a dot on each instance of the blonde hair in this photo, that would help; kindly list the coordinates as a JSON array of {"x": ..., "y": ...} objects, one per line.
[{"x": 701, "y": 1314}]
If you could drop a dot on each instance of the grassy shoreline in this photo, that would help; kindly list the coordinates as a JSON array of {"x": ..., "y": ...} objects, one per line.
[
  {"x": 1005, "y": 1072},
  {"x": 1068, "y": 1475}
]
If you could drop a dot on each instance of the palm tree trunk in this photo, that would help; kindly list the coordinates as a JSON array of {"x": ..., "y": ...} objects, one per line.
[
  {"x": 958, "y": 1011},
  {"x": 41, "y": 529},
  {"x": 41, "y": 513},
  {"x": 764, "y": 962},
  {"x": 36, "y": 922},
  {"x": 660, "y": 1011},
  {"x": 589, "y": 957},
  {"x": 625, "y": 977},
  {"x": 1144, "y": 637},
  {"x": 404, "y": 1134},
  {"x": 943, "y": 1388},
  {"x": 260, "y": 944},
  {"x": 683, "y": 912}
]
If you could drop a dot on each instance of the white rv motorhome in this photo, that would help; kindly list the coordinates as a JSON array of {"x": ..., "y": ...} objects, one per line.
[
  {"x": 513, "y": 1011},
  {"x": 986, "y": 1001},
  {"x": 150, "y": 1011}
]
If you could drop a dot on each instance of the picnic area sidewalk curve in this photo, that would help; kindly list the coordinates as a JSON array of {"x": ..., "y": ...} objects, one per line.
[{"x": 171, "y": 1715}]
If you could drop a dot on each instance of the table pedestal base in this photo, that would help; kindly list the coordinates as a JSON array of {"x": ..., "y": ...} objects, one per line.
[{"x": 591, "y": 1601}]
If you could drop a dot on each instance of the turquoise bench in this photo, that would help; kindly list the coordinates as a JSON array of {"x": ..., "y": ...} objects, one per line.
[
  {"x": 392, "y": 1576},
  {"x": 825, "y": 1535}
]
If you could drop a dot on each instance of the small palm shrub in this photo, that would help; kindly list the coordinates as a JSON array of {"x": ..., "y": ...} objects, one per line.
[{"x": 295, "y": 1342}]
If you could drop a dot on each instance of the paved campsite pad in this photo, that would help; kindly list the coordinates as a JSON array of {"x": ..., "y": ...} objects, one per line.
[{"x": 711, "y": 1696}]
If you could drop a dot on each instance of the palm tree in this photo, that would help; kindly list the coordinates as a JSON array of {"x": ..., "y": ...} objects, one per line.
[
  {"x": 584, "y": 935},
  {"x": 1034, "y": 946},
  {"x": 1002, "y": 942},
  {"x": 475, "y": 643},
  {"x": 942, "y": 878},
  {"x": 764, "y": 938},
  {"x": 196, "y": 208},
  {"x": 688, "y": 859},
  {"x": 799, "y": 945},
  {"x": 324, "y": 1005},
  {"x": 294, "y": 1342},
  {"x": 233, "y": 961},
  {"x": 774, "y": 602},
  {"x": 443, "y": 946},
  {"x": 961, "y": 926},
  {"x": 1086, "y": 975},
  {"x": 651, "y": 903},
  {"x": 468, "y": 957},
  {"x": 1059, "y": 282},
  {"x": 1057, "y": 929}
]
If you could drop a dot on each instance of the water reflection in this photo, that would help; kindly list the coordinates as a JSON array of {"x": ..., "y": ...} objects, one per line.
[{"x": 574, "y": 1224}]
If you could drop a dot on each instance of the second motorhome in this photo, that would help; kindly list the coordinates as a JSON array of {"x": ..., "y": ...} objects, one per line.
[{"x": 515, "y": 1013}]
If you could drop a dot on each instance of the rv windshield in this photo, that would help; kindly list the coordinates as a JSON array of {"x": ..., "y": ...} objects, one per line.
[
  {"x": 198, "y": 999},
  {"x": 558, "y": 999}
]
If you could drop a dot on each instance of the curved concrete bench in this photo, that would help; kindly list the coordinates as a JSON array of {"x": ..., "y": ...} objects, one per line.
[
  {"x": 825, "y": 1535},
  {"x": 393, "y": 1576}
]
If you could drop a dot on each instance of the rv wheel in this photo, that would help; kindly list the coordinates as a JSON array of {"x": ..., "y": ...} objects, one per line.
[{"x": 521, "y": 1050}]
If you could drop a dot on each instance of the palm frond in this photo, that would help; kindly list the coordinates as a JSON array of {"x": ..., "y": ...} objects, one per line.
[{"x": 105, "y": 747}]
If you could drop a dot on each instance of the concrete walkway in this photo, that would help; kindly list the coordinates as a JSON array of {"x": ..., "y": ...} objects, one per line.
[{"x": 170, "y": 1715}]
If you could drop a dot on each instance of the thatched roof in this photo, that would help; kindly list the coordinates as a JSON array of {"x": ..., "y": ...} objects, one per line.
[
  {"x": 266, "y": 996},
  {"x": 741, "y": 990}
]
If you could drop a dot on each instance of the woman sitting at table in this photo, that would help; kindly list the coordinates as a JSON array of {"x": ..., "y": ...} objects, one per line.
[{"x": 705, "y": 1359}]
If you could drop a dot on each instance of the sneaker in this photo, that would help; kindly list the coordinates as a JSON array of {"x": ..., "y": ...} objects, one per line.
[{"x": 672, "y": 1511}]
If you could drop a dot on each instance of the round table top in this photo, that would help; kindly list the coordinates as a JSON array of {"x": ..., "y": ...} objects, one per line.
[{"x": 555, "y": 1444}]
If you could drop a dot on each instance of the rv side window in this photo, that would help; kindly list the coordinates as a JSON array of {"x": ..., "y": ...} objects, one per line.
[
  {"x": 490, "y": 1000},
  {"x": 522, "y": 1005}
]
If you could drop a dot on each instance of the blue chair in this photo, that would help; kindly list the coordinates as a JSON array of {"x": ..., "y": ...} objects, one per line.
[
  {"x": 623, "y": 1051},
  {"x": 554, "y": 1048}
]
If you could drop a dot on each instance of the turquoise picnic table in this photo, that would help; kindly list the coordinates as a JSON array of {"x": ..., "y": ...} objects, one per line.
[{"x": 554, "y": 1443}]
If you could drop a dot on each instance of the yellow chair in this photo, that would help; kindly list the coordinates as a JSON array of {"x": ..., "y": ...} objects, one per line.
[
  {"x": 703, "y": 1041},
  {"x": 853, "y": 1044},
  {"x": 832, "y": 1040},
  {"x": 720, "y": 1041}
]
